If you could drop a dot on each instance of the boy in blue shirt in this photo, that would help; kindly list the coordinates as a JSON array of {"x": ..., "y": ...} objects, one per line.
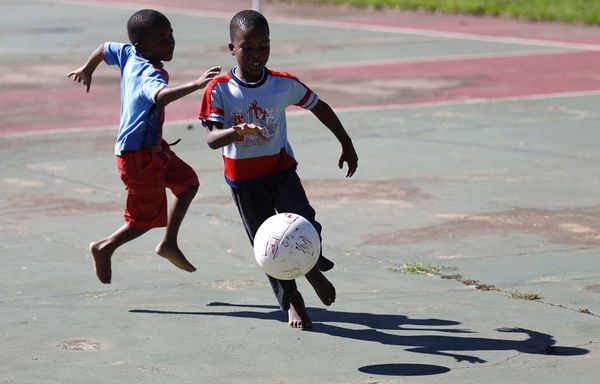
[{"x": 144, "y": 160}]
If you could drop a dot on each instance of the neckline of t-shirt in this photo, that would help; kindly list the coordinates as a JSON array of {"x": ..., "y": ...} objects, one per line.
[
  {"x": 154, "y": 63},
  {"x": 246, "y": 84}
]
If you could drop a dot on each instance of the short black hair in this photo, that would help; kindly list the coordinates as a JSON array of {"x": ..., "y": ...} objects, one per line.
[
  {"x": 246, "y": 19},
  {"x": 142, "y": 21}
]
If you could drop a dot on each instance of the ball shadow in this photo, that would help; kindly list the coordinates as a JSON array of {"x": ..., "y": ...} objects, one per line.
[{"x": 404, "y": 369}]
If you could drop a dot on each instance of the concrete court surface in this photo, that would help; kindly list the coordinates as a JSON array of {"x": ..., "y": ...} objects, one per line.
[{"x": 477, "y": 140}]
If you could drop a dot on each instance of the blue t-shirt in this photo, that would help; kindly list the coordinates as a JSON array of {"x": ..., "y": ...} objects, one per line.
[{"x": 141, "y": 119}]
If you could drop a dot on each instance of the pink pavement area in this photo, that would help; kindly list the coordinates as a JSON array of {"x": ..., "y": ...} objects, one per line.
[{"x": 570, "y": 67}]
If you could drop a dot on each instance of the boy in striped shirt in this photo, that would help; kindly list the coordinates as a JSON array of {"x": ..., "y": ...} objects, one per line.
[{"x": 244, "y": 112}]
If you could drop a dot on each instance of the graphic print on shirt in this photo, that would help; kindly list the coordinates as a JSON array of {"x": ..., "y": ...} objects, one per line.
[{"x": 255, "y": 114}]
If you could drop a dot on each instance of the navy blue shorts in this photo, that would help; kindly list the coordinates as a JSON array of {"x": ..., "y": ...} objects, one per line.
[{"x": 260, "y": 199}]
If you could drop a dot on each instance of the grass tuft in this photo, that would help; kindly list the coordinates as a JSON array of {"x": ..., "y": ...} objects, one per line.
[
  {"x": 523, "y": 295},
  {"x": 418, "y": 268}
]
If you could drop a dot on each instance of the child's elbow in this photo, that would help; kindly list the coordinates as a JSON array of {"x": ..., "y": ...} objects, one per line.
[
  {"x": 212, "y": 138},
  {"x": 160, "y": 100},
  {"x": 212, "y": 143}
]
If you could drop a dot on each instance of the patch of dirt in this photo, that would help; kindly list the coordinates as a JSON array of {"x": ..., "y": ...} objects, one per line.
[
  {"x": 237, "y": 284},
  {"x": 568, "y": 226},
  {"x": 30, "y": 205},
  {"x": 79, "y": 346},
  {"x": 592, "y": 288},
  {"x": 385, "y": 191},
  {"x": 394, "y": 189},
  {"x": 33, "y": 205},
  {"x": 222, "y": 200},
  {"x": 352, "y": 91}
]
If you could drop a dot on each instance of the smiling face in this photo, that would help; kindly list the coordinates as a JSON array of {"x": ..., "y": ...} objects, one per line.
[
  {"x": 158, "y": 43},
  {"x": 251, "y": 48}
]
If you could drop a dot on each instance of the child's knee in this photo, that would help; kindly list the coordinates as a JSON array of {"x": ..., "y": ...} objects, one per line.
[{"x": 188, "y": 193}]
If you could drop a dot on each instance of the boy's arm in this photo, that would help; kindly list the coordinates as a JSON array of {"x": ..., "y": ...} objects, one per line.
[
  {"x": 84, "y": 73},
  {"x": 327, "y": 116},
  {"x": 218, "y": 137},
  {"x": 169, "y": 94}
]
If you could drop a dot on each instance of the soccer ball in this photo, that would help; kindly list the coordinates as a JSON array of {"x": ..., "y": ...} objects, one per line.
[{"x": 287, "y": 246}]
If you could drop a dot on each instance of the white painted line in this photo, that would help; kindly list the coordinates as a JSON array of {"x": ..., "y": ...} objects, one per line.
[
  {"x": 441, "y": 34},
  {"x": 469, "y": 101},
  {"x": 347, "y": 25},
  {"x": 430, "y": 59}
]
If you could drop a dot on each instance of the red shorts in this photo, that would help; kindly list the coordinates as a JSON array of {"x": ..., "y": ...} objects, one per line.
[{"x": 146, "y": 173}]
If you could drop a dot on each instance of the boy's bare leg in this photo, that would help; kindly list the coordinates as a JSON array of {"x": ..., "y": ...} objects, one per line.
[
  {"x": 168, "y": 247},
  {"x": 297, "y": 315},
  {"x": 103, "y": 250},
  {"x": 323, "y": 287}
]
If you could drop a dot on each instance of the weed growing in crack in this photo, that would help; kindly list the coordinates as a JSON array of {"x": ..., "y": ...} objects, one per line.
[
  {"x": 523, "y": 295},
  {"x": 418, "y": 268}
]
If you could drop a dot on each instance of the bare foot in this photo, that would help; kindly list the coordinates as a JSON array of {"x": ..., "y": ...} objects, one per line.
[
  {"x": 297, "y": 316},
  {"x": 323, "y": 287},
  {"x": 101, "y": 255},
  {"x": 175, "y": 256}
]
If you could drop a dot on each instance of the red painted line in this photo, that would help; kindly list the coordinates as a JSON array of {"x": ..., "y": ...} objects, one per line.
[
  {"x": 64, "y": 108},
  {"x": 349, "y": 87},
  {"x": 488, "y": 78}
]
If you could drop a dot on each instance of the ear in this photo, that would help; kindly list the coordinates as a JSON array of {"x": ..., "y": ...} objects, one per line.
[
  {"x": 231, "y": 49},
  {"x": 138, "y": 47}
]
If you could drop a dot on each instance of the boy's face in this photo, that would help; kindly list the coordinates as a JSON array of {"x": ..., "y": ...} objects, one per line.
[
  {"x": 157, "y": 44},
  {"x": 251, "y": 48}
]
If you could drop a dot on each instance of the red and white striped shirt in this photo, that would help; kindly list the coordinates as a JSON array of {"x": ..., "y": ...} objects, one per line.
[{"x": 230, "y": 101}]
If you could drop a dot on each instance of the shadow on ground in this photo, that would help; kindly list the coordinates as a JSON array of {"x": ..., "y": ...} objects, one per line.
[{"x": 536, "y": 343}]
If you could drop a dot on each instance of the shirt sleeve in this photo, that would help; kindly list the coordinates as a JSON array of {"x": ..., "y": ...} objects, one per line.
[
  {"x": 301, "y": 95},
  {"x": 211, "y": 107},
  {"x": 116, "y": 53},
  {"x": 152, "y": 84}
]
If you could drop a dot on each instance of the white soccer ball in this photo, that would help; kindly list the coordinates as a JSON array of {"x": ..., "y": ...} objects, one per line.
[{"x": 287, "y": 246}]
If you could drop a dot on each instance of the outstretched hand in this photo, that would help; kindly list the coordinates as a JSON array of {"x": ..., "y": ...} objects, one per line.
[
  {"x": 250, "y": 129},
  {"x": 208, "y": 76},
  {"x": 82, "y": 75},
  {"x": 349, "y": 156}
]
